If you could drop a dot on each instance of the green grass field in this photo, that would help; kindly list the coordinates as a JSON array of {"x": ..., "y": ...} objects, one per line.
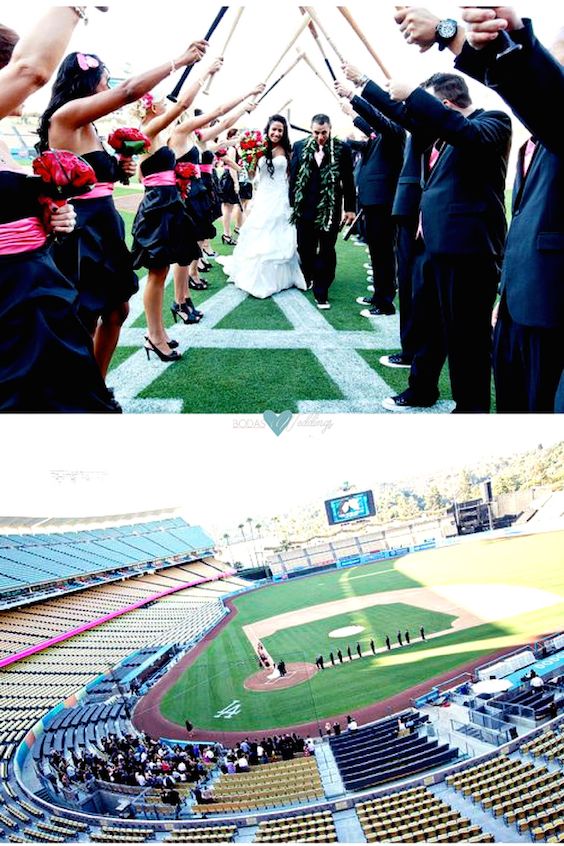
[
  {"x": 241, "y": 376},
  {"x": 488, "y": 572}
]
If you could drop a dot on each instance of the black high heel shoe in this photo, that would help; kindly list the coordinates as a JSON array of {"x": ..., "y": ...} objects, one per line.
[
  {"x": 227, "y": 239},
  {"x": 206, "y": 266},
  {"x": 213, "y": 253},
  {"x": 172, "y": 344},
  {"x": 150, "y": 347},
  {"x": 197, "y": 285},
  {"x": 184, "y": 314},
  {"x": 191, "y": 308}
]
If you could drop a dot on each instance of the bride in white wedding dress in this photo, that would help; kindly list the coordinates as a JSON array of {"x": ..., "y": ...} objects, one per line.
[{"x": 265, "y": 260}]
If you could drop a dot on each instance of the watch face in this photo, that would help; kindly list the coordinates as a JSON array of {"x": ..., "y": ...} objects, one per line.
[{"x": 447, "y": 28}]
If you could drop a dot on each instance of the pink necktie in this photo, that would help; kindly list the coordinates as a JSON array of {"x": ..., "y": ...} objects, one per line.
[
  {"x": 529, "y": 152},
  {"x": 435, "y": 153}
]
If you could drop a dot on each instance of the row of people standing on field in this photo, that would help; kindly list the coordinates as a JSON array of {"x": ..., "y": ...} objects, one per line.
[
  {"x": 403, "y": 638},
  {"x": 65, "y": 299}
]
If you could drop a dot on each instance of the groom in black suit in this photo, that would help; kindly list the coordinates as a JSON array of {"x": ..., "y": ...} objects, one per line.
[{"x": 321, "y": 182}]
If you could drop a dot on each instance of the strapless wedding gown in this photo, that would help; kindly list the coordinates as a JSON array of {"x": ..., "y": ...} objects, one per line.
[{"x": 265, "y": 260}]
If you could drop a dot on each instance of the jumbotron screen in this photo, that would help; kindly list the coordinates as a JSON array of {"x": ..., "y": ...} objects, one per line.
[{"x": 354, "y": 506}]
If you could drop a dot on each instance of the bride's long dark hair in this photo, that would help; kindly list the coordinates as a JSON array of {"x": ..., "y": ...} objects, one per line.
[{"x": 284, "y": 142}]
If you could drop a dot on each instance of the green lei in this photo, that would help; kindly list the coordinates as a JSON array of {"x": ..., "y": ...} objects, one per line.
[{"x": 329, "y": 175}]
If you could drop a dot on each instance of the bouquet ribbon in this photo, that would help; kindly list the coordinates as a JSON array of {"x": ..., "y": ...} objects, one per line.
[
  {"x": 206, "y": 168},
  {"x": 100, "y": 189},
  {"x": 155, "y": 180},
  {"x": 21, "y": 236}
]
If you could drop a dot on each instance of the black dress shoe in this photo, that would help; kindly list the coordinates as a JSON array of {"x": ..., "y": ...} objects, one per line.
[
  {"x": 405, "y": 402},
  {"x": 376, "y": 310}
]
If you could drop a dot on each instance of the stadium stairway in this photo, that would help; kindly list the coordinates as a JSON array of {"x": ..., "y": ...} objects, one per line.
[
  {"x": 328, "y": 770},
  {"x": 246, "y": 834},
  {"x": 477, "y": 816},
  {"x": 348, "y": 827}
]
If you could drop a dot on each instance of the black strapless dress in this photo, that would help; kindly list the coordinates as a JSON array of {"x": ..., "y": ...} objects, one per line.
[
  {"x": 198, "y": 200},
  {"x": 163, "y": 232},
  {"x": 46, "y": 359},
  {"x": 95, "y": 257},
  {"x": 211, "y": 182}
]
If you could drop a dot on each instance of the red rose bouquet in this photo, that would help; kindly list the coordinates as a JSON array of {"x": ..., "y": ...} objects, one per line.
[
  {"x": 252, "y": 147},
  {"x": 64, "y": 175},
  {"x": 185, "y": 172},
  {"x": 127, "y": 142}
]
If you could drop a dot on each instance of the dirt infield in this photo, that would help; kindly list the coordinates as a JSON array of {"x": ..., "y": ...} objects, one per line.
[{"x": 295, "y": 674}]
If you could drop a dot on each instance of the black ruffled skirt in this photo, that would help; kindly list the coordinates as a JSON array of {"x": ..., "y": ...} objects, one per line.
[
  {"x": 199, "y": 205},
  {"x": 163, "y": 231},
  {"x": 227, "y": 193},
  {"x": 96, "y": 259},
  {"x": 46, "y": 359},
  {"x": 246, "y": 190}
]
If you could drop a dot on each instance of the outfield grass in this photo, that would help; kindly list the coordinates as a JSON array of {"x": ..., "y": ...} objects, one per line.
[
  {"x": 216, "y": 677},
  {"x": 305, "y": 643}
]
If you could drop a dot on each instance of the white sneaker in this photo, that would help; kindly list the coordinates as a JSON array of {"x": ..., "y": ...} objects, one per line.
[
  {"x": 366, "y": 313},
  {"x": 370, "y": 288},
  {"x": 323, "y": 305},
  {"x": 367, "y": 265},
  {"x": 364, "y": 301}
]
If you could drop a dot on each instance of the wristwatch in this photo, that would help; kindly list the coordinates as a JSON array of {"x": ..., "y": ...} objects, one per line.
[{"x": 445, "y": 32}]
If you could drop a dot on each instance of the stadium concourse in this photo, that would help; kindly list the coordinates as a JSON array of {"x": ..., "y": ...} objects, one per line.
[{"x": 92, "y": 618}]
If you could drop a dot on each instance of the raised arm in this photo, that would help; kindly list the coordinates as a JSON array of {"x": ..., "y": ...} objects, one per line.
[
  {"x": 451, "y": 126},
  {"x": 529, "y": 78},
  {"x": 228, "y": 122},
  {"x": 160, "y": 122},
  {"x": 374, "y": 117},
  {"x": 36, "y": 57},
  {"x": 78, "y": 113}
]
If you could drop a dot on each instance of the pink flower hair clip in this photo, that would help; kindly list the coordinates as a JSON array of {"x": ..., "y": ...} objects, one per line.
[{"x": 85, "y": 62}]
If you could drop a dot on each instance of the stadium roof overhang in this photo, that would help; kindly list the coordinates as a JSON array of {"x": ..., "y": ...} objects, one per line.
[{"x": 37, "y": 523}]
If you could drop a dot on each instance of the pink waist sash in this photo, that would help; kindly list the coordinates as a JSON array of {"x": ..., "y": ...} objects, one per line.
[
  {"x": 100, "y": 189},
  {"x": 21, "y": 236},
  {"x": 154, "y": 180},
  {"x": 206, "y": 168}
]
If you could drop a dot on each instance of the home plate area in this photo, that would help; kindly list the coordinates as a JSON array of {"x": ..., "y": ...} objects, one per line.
[
  {"x": 296, "y": 673},
  {"x": 329, "y": 360}
]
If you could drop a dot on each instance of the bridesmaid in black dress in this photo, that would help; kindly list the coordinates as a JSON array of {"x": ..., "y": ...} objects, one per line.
[
  {"x": 100, "y": 264},
  {"x": 188, "y": 137},
  {"x": 163, "y": 231},
  {"x": 46, "y": 360}
]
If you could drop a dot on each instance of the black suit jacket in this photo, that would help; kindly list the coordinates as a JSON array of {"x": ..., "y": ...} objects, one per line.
[
  {"x": 382, "y": 156},
  {"x": 416, "y": 153},
  {"x": 463, "y": 200},
  {"x": 345, "y": 190},
  {"x": 532, "y": 83}
]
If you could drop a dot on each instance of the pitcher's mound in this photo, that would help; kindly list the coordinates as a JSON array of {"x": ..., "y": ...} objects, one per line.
[{"x": 295, "y": 674}]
